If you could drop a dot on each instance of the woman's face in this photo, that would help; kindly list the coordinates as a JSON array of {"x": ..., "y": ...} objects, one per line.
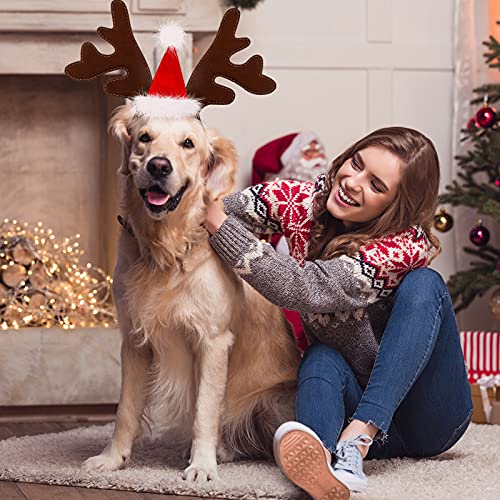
[{"x": 371, "y": 180}]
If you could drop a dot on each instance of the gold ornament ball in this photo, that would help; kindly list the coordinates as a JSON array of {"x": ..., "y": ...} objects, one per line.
[
  {"x": 443, "y": 221},
  {"x": 495, "y": 304}
]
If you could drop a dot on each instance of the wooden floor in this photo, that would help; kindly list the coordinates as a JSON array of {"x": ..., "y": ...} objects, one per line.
[{"x": 28, "y": 491}]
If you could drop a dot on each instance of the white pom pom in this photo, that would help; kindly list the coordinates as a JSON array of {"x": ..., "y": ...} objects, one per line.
[{"x": 171, "y": 35}]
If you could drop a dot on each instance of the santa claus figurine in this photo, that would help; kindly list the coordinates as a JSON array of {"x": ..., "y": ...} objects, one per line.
[{"x": 299, "y": 156}]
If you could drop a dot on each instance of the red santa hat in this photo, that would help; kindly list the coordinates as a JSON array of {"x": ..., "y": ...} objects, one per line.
[
  {"x": 299, "y": 156},
  {"x": 167, "y": 96}
]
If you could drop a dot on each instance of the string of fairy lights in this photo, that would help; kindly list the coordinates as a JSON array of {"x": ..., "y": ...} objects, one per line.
[{"x": 43, "y": 284}]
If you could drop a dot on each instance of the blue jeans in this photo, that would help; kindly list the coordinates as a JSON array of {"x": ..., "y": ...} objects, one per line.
[{"x": 417, "y": 394}]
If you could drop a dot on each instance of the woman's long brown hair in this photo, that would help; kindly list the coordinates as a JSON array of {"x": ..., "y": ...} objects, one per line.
[{"x": 415, "y": 202}]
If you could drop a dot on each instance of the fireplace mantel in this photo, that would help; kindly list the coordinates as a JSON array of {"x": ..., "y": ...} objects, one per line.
[
  {"x": 42, "y": 36},
  {"x": 86, "y": 15}
]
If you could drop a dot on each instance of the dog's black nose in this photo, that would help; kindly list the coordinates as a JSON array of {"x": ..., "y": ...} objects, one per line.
[{"x": 159, "y": 167}]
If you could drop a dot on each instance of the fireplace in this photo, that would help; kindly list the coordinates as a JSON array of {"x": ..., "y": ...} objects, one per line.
[
  {"x": 59, "y": 163},
  {"x": 60, "y": 168}
]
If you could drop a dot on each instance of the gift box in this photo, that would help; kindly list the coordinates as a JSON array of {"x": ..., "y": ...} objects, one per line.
[
  {"x": 482, "y": 357},
  {"x": 482, "y": 353},
  {"x": 478, "y": 412}
]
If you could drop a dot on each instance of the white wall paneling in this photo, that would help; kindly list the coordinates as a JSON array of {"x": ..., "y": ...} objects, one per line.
[
  {"x": 380, "y": 91},
  {"x": 379, "y": 21},
  {"x": 344, "y": 69}
]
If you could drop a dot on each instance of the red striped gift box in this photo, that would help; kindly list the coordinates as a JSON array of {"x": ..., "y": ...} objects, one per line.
[{"x": 481, "y": 353}]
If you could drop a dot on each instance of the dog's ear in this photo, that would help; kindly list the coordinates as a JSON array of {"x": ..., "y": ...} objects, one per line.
[
  {"x": 220, "y": 170},
  {"x": 119, "y": 127}
]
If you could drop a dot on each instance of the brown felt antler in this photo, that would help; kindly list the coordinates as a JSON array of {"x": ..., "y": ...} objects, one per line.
[
  {"x": 216, "y": 62},
  {"x": 127, "y": 56}
]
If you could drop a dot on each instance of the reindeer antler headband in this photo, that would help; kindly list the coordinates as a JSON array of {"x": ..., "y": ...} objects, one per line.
[{"x": 166, "y": 95}]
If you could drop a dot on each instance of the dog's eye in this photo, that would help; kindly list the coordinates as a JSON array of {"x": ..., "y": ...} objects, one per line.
[
  {"x": 145, "y": 138},
  {"x": 188, "y": 144}
]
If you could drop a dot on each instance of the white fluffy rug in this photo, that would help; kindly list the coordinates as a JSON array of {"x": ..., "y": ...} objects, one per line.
[{"x": 470, "y": 470}]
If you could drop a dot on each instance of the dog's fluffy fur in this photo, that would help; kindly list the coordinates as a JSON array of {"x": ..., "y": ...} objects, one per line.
[{"x": 198, "y": 342}]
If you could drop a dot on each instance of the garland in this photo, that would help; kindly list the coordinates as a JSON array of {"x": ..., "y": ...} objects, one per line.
[{"x": 244, "y": 4}]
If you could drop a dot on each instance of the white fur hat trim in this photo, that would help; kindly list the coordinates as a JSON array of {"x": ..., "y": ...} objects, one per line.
[{"x": 166, "y": 107}]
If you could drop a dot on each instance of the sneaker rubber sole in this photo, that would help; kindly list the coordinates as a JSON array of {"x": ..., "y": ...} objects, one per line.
[{"x": 304, "y": 462}]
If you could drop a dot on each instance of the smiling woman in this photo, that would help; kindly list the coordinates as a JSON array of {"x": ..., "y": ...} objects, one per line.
[
  {"x": 356, "y": 235},
  {"x": 357, "y": 185},
  {"x": 393, "y": 176}
]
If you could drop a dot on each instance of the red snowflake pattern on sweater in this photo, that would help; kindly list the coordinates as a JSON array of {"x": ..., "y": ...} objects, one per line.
[{"x": 287, "y": 204}]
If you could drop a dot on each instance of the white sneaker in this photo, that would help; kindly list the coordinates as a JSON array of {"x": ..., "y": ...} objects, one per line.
[
  {"x": 349, "y": 465},
  {"x": 300, "y": 454}
]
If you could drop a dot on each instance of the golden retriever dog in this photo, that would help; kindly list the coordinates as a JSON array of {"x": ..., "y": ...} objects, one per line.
[{"x": 198, "y": 341}]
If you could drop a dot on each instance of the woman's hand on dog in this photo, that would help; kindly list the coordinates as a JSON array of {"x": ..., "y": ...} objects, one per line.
[{"x": 215, "y": 216}]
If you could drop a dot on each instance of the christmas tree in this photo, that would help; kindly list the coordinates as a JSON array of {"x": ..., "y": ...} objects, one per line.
[{"x": 481, "y": 161}]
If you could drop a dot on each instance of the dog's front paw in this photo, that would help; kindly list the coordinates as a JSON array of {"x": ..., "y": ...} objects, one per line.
[
  {"x": 104, "y": 462},
  {"x": 201, "y": 471}
]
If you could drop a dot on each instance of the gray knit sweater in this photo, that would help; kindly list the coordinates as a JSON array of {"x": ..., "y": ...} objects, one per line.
[{"x": 344, "y": 302}]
